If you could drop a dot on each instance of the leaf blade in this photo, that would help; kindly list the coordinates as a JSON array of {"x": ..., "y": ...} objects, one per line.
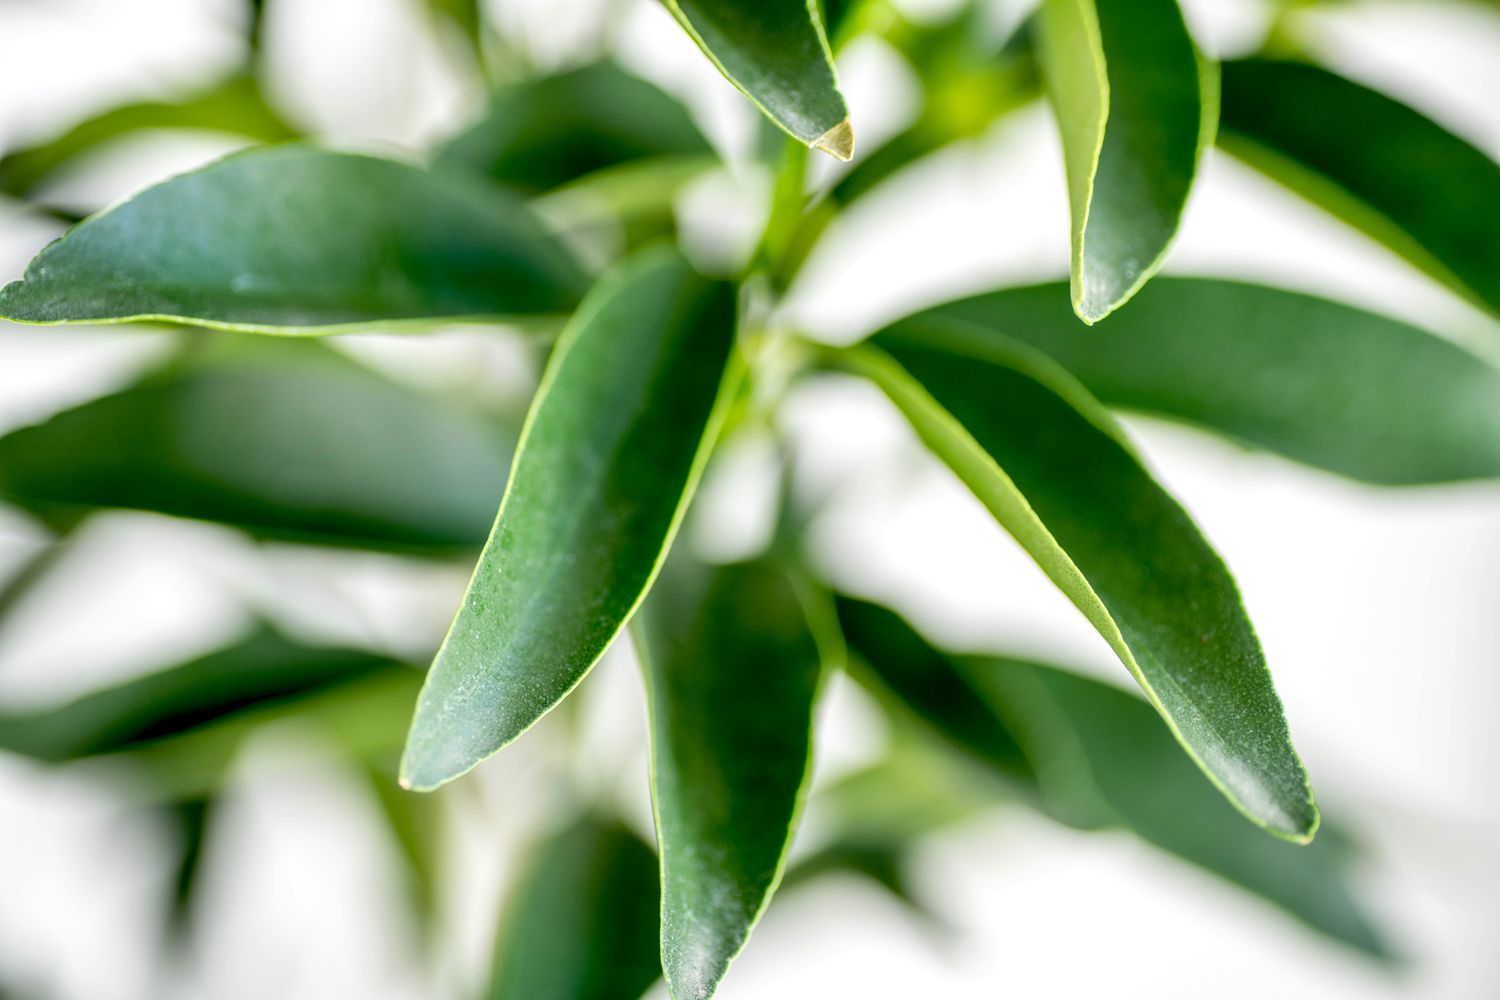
[
  {"x": 732, "y": 670},
  {"x": 778, "y": 57},
  {"x": 592, "y": 505},
  {"x": 1038, "y": 452},
  {"x": 1373, "y": 162},
  {"x": 1320, "y": 382},
  {"x": 1135, "y": 105},
  {"x": 294, "y": 239}
]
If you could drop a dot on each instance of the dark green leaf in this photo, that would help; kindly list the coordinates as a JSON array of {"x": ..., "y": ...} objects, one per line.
[
  {"x": 191, "y": 816},
  {"x": 1375, "y": 163},
  {"x": 263, "y": 670},
  {"x": 286, "y": 439},
  {"x": 541, "y": 134},
  {"x": 612, "y": 451},
  {"x": 297, "y": 239},
  {"x": 1135, "y": 105},
  {"x": 1317, "y": 381},
  {"x": 1056, "y": 472},
  {"x": 1102, "y": 758},
  {"x": 732, "y": 670},
  {"x": 776, "y": 54},
  {"x": 233, "y": 105},
  {"x": 581, "y": 922}
]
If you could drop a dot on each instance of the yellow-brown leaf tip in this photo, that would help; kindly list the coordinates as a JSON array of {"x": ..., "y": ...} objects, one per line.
[{"x": 837, "y": 142}]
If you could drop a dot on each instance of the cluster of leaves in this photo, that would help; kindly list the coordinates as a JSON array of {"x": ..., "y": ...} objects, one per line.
[{"x": 658, "y": 364}]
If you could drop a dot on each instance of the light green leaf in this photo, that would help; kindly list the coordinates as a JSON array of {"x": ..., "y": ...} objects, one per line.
[
  {"x": 1135, "y": 106},
  {"x": 776, "y": 54},
  {"x": 1377, "y": 164},
  {"x": 234, "y": 105},
  {"x": 262, "y": 671},
  {"x": 611, "y": 453},
  {"x": 540, "y": 134},
  {"x": 1323, "y": 383},
  {"x": 581, "y": 922},
  {"x": 1101, "y": 757},
  {"x": 295, "y": 239},
  {"x": 732, "y": 670},
  {"x": 1055, "y": 471},
  {"x": 285, "y": 439}
]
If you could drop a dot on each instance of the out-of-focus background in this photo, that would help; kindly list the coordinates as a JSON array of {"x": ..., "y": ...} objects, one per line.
[{"x": 1377, "y": 609}]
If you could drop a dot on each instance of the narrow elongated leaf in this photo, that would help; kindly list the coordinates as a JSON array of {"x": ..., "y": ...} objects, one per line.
[
  {"x": 581, "y": 922},
  {"x": 1050, "y": 465},
  {"x": 1135, "y": 105},
  {"x": 298, "y": 239},
  {"x": 1101, "y": 755},
  {"x": 1327, "y": 384},
  {"x": 731, "y": 670},
  {"x": 776, "y": 54},
  {"x": 265, "y": 669},
  {"x": 233, "y": 105},
  {"x": 611, "y": 452},
  {"x": 286, "y": 439},
  {"x": 1375, "y": 163},
  {"x": 541, "y": 134}
]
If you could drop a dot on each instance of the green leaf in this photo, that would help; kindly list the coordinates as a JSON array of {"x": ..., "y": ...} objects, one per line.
[
  {"x": 776, "y": 54},
  {"x": 1101, "y": 757},
  {"x": 581, "y": 921},
  {"x": 1320, "y": 382},
  {"x": 540, "y": 134},
  {"x": 264, "y": 670},
  {"x": 295, "y": 239},
  {"x": 612, "y": 450},
  {"x": 1377, "y": 164},
  {"x": 1055, "y": 471},
  {"x": 234, "y": 104},
  {"x": 1135, "y": 106},
  {"x": 286, "y": 439},
  {"x": 732, "y": 670}
]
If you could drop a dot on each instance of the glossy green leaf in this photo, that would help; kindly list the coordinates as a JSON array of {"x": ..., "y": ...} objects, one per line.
[
  {"x": 1373, "y": 162},
  {"x": 540, "y": 134},
  {"x": 265, "y": 669},
  {"x": 1135, "y": 106},
  {"x": 234, "y": 105},
  {"x": 1324, "y": 383},
  {"x": 776, "y": 54},
  {"x": 732, "y": 670},
  {"x": 286, "y": 439},
  {"x": 1101, "y": 757},
  {"x": 581, "y": 922},
  {"x": 1051, "y": 466},
  {"x": 289, "y": 239},
  {"x": 612, "y": 450}
]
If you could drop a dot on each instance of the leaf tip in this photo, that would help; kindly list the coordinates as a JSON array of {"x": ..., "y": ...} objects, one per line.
[{"x": 837, "y": 142}]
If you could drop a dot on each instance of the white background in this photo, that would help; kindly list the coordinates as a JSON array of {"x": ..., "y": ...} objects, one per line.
[{"x": 1378, "y": 610}]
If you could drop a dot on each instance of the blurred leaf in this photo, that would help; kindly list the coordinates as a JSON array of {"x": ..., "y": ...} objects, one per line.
[
  {"x": 776, "y": 54},
  {"x": 413, "y": 823},
  {"x": 612, "y": 451},
  {"x": 581, "y": 922},
  {"x": 191, "y": 816},
  {"x": 1051, "y": 466},
  {"x": 294, "y": 239},
  {"x": 732, "y": 670},
  {"x": 1102, "y": 756},
  {"x": 234, "y": 104},
  {"x": 540, "y": 134},
  {"x": 1135, "y": 106},
  {"x": 1375, "y": 163},
  {"x": 264, "y": 670},
  {"x": 286, "y": 439},
  {"x": 1317, "y": 381}
]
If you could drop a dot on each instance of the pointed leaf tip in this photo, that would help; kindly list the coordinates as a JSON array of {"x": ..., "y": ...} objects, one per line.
[{"x": 837, "y": 142}]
